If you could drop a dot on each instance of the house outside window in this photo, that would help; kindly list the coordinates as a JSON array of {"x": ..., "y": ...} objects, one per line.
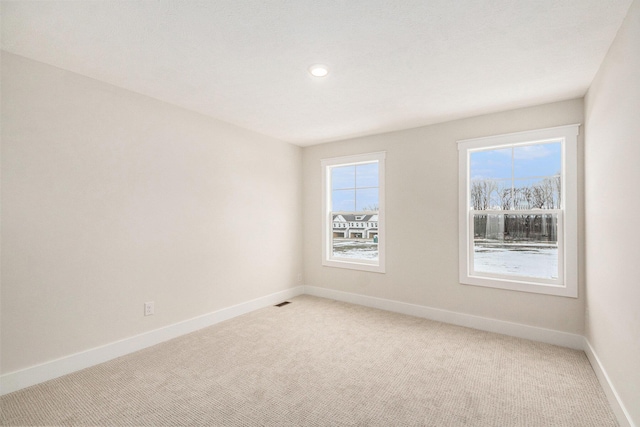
[
  {"x": 353, "y": 212},
  {"x": 518, "y": 211}
]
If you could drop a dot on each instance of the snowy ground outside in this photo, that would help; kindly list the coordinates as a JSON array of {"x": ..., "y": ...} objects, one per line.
[
  {"x": 529, "y": 260},
  {"x": 355, "y": 249},
  {"x": 526, "y": 260}
]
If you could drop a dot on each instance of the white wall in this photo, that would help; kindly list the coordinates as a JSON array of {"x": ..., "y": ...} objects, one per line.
[
  {"x": 111, "y": 199},
  {"x": 422, "y": 221},
  {"x": 612, "y": 198}
]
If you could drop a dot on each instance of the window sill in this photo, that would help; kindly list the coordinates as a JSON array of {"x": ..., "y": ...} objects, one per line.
[
  {"x": 522, "y": 286},
  {"x": 354, "y": 265}
]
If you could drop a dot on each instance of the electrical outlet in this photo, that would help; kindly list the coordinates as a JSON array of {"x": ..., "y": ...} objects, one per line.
[
  {"x": 148, "y": 308},
  {"x": 299, "y": 278}
]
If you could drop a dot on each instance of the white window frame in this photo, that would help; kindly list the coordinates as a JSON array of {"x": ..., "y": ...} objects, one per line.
[
  {"x": 567, "y": 283},
  {"x": 376, "y": 266}
]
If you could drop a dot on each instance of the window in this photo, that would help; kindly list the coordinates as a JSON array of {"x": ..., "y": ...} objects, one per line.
[
  {"x": 353, "y": 212},
  {"x": 518, "y": 211}
]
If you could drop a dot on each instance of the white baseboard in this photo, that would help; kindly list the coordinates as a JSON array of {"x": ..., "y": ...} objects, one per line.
[
  {"x": 624, "y": 419},
  {"x": 17, "y": 380},
  {"x": 533, "y": 333}
]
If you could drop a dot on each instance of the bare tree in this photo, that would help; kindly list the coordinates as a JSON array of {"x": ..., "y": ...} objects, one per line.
[
  {"x": 374, "y": 208},
  {"x": 491, "y": 194},
  {"x": 481, "y": 191},
  {"x": 477, "y": 196},
  {"x": 557, "y": 186},
  {"x": 505, "y": 195}
]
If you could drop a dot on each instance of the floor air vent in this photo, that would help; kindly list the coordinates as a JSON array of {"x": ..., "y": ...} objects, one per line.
[{"x": 282, "y": 303}]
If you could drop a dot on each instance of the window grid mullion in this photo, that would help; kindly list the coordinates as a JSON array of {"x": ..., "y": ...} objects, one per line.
[{"x": 516, "y": 212}]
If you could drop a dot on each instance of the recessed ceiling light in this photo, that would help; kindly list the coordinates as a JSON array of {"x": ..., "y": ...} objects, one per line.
[{"x": 318, "y": 70}]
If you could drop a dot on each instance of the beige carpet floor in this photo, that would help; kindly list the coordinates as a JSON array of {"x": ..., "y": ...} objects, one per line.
[{"x": 318, "y": 362}]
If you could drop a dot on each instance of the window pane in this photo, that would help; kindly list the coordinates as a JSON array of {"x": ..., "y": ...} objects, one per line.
[
  {"x": 537, "y": 160},
  {"x": 491, "y": 164},
  {"x": 343, "y": 200},
  {"x": 367, "y": 199},
  {"x": 522, "y": 177},
  {"x": 355, "y": 236},
  {"x": 516, "y": 245},
  {"x": 485, "y": 194},
  {"x": 367, "y": 175},
  {"x": 343, "y": 177},
  {"x": 537, "y": 193},
  {"x": 504, "y": 195}
]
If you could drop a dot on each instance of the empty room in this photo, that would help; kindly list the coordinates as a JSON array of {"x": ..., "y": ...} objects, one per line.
[{"x": 301, "y": 213}]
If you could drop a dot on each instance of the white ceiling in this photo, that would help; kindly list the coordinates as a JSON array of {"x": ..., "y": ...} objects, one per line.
[{"x": 394, "y": 64}]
